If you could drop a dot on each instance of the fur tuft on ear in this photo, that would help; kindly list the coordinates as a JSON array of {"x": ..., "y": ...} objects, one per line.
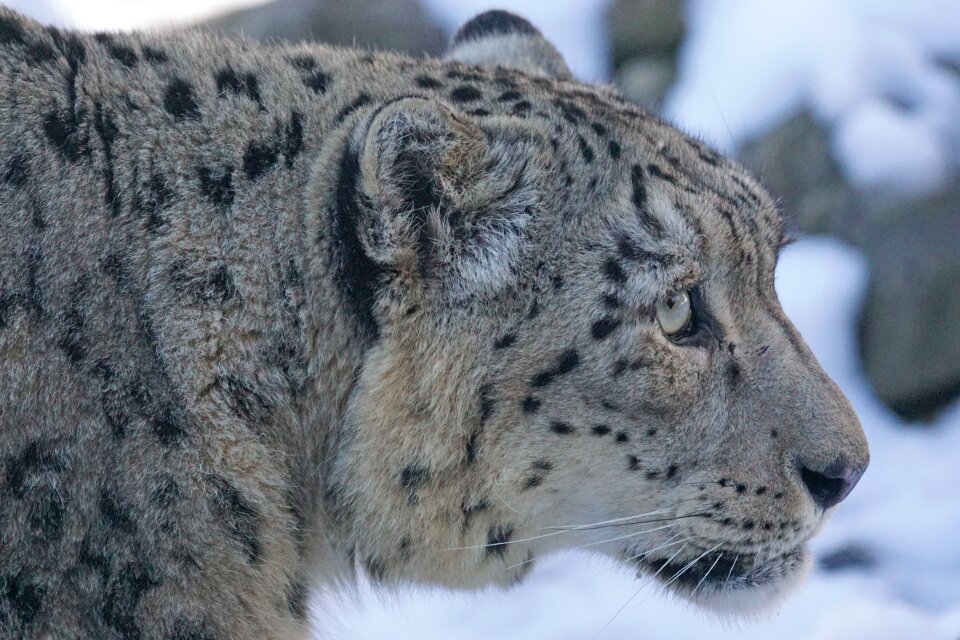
[
  {"x": 502, "y": 39},
  {"x": 437, "y": 201}
]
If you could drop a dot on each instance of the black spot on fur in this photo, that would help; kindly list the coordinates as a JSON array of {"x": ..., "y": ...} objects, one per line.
[
  {"x": 741, "y": 488},
  {"x": 15, "y": 173},
  {"x": 604, "y": 327},
  {"x": 471, "y": 510},
  {"x": 426, "y": 82},
  {"x": 657, "y": 172},
  {"x": 185, "y": 630},
  {"x": 119, "y": 52},
  {"x": 486, "y": 403},
  {"x": 115, "y": 514},
  {"x": 530, "y": 404},
  {"x": 238, "y": 517},
  {"x": 493, "y": 23},
  {"x": 293, "y": 138},
  {"x": 217, "y": 185},
  {"x": 24, "y": 598},
  {"x": 471, "y": 448},
  {"x": 570, "y": 112},
  {"x": 303, "y": 62},
  {"x": 671, "y": 471},
  {"x": 633, "y": 463},
  {"x": 622, "y": 437},
  {"x": 600, "y": 430},
  {"x": 123, "y": 593},
  {"x": 465, "y": 93},
  {"x": 46, "y": 515},
  {"x": 509, "y": 96},
  {"x": 361, "y": 101},
  {"x": 522, "y": 108},
  {"x": 412, "y": 477},
  {"x": 611, "y": 301},
  {"x": 180, "y": 101},
  {"x": 40, "y": 52},
  {"x": 297, "y": 600},
  {"x": 619, "y": 367},
  {"x": 562, "y": 428},
  {"x": 317, "y": 81},
  {"x": 497, "y": 539},
  {"x": 245, "y": 401},
  {"x": 613, "y": 271},
  {"x": 532, "y": 482},
  {"x": 11, "y": 32},
  {"x": 375, "y": 568},
  {"x": 36, "y": 460},
  {"x": 505, "y": 341},
  {"x": 168, "y": 427},
  {"x": 63, "y": 131},
  {"x": 585, "y": 149},
  {"x": 613, "y": 147},
  {"x": 566, "y": 362},
  {"x": 598, "y": 128},
  {"x": 637, "y": 181},
  {"x": 239, "y": 84},
  {"x": 107, "y": 131},
  {"x": 153, "y": 55},
  {"x": 258, "y": 159}
]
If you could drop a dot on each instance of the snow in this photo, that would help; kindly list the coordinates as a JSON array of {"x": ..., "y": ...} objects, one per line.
[
  {"x": 864, "y": 68},
  {"x": 869, "y": 68}
]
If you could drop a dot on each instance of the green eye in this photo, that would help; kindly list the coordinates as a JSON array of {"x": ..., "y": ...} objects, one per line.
[{"x": 673, "y": 311}]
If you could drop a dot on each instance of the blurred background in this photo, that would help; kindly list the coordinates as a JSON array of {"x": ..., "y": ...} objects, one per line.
[{"x": 849, "y": 112}]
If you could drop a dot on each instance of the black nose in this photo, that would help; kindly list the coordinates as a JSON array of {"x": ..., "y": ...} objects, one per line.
[{"x": 830, "y": 486}]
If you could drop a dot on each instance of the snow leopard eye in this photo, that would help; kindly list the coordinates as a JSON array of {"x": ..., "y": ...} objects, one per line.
[{"x": 674, "y": 312}]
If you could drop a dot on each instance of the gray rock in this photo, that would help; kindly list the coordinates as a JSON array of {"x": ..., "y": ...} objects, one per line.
[
  {"x": 646, "y": 80},
  {"x": 398, "y": 25},
  {"x": 644, "y": 27},
  {"x": 909, "y": 329},
  {"x": 851, "y": 556},
  {"x": 794, "y": 162}
]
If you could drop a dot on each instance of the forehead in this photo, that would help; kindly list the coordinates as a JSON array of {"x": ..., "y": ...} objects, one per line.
[{"x": 656, "y": 191}]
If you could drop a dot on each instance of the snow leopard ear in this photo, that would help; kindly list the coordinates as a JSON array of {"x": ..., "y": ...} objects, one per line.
[
  {"x": 502, "y": 39},
  {"x": 436, "y": 198}
]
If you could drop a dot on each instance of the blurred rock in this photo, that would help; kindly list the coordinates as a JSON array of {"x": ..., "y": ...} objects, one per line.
[
  {"x": 850, "y": 556},
  {"x": 645, "y": 36},
  {"x": 646, "y": 80},
  {"x": 643, "y": 27},
  {"x": 397, "y": 25},
  {"x": 909, "y": 330},
  {"x": 794, "y": 162}
]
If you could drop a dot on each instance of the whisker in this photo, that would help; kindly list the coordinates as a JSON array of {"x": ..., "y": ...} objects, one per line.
[
  {"x": 663, "y": 546},
  {"x": 502, "y": 544},
  {"x": 602, "y": 522},
  {"x": 690, "y": 564},
  {"x": 624, "y": 524},
  {"x": 596, "y": 542},
  {"x": 706, "y": 574},
  {"x": 730, "y": 573}
]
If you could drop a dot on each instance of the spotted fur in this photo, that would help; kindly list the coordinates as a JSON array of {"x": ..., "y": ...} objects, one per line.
[{"x": 270, "y": 315}]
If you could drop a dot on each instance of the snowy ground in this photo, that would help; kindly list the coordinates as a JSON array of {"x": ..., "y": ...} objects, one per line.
[{"x": 748, "y": 63}]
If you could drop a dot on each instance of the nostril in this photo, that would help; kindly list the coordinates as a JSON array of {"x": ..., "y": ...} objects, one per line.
[{"x": 829, "y": 487}]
